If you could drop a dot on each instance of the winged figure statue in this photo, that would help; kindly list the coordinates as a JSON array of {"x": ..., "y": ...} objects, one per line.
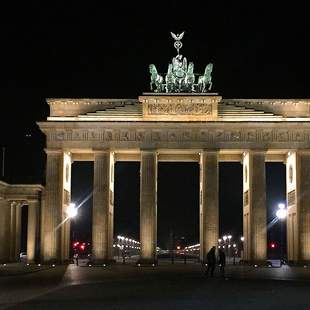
[{"x": 177, "y": 37}]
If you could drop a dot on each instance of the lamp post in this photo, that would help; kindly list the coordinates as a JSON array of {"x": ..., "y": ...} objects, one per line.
[
  {"x": 224, "y": 246},
  {"x": 242, "y": 248},
  {"x": 281, "y": 214},
  {"x": 229, "y": 245}
]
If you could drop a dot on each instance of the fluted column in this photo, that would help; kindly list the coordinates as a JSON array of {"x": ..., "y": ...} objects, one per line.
[
  {"x": 4, "y": 230},
  {"x": 209, "y": 202},
  {"x": 103, "y": 208},
  {"x": 55, "y": 225},
  {"x": 53, "y": 207},
  {"x": 148, "y": 207},
  {"x": 254, "y": 207},
  {"x": 32, "y": 233},
  {"x": 298, "y": 197},
  {"x": 15, "y": 230}
]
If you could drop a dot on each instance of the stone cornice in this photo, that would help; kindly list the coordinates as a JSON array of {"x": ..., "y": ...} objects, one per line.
[{"x": 20, "y": 192}]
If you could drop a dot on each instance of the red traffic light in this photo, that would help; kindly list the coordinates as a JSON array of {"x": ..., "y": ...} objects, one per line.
[{"x": 273, "y": 245}]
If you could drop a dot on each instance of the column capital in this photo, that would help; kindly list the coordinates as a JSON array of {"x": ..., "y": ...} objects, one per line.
[
  {"x": 254, "y": 151},
  {"x": 209, "y": 151},
  {"x": 303, "y": 151},
  {"x": 102, "y": 151},
  {"x": 17, "y": 203},
  {"x": 148, "y": 150},
  {"x": 33, "y": 201},
  {"x": 53, "y": 151}
]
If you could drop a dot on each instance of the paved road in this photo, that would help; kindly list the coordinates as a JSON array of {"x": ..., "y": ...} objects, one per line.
[{"x": 167, "y": 286}]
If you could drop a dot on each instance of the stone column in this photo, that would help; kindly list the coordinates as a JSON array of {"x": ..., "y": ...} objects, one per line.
[
  {"x": 55, "y": 223},
  {"x": 51, "y": 225},
  {"x": 18, "y": 230},
  {"x": 12, "y": 235},
  {"x": 33, "y": 225},
  {"x": 254, "y": 207},
  {"x": 148, "y": 207},
  {"x": 103, "y": 208},
  {"x": 15, "y": 230},
  {"x": 209, "y": 203},
  {"x": 4, "y": 231},
  {"x": 66, "y": 200},
  {"x": 298, "y": 197}
]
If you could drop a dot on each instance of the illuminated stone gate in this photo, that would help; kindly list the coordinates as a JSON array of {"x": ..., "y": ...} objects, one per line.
[
  {"x": 195, "y": 127},
  {"x": 180, "y": 121}
]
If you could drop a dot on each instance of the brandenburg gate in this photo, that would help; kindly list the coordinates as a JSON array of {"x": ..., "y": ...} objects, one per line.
[{"x": 182, "y": 121}]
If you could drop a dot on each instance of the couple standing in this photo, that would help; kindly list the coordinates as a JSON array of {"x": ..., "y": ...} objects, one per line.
[{"x": 211, "y": 259}]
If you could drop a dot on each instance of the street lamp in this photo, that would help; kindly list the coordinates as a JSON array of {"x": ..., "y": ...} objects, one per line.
[
  {"x": 71, "y": 210},
  {"x": 281, "y": 214}
]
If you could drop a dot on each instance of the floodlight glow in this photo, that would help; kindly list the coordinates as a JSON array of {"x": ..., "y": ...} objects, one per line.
[
  {"x": 281, "y": 205},
  {"x": 71, "y": 210},
  {"x": 281, "y": 214}
]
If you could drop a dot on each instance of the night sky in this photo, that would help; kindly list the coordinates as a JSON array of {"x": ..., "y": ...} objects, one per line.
[{"x": 86, "y": 50}]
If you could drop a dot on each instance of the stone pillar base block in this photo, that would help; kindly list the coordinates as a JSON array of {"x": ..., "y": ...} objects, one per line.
[
  {"x": 259, "y": 263},
  {"x": 142, "y": 262},
  {"x": 101, "y": 262},
  {"x": 203, "y": 262}
]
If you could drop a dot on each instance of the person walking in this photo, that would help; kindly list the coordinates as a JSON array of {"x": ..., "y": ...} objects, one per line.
[
  {"x": 76, "y": 256},
  {"x": 211, "y": 260},
  {"x": 222, "y": 262}
]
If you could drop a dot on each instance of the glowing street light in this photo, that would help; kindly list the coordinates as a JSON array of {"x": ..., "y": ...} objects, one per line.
[
  {"x": 224, "y": 238},
  {"x": 281, "y": 212},
  {"x": 71, "y": 210},
  {"x": 242, "y": 239}
]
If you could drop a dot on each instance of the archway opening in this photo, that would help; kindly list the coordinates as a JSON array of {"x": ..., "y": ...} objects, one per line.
[
  {"x": 177, "y": 209},
  {"x": 82, "y": 174},
  {"x": 230, "y": 210},
  {"x": 24, "y": 230},
  {"x": 127, "y": 211},
  {"x": 275, "y": 195}
]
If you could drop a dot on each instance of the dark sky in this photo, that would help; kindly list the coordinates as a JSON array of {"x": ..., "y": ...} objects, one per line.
[{"x": 67, "y": 49}]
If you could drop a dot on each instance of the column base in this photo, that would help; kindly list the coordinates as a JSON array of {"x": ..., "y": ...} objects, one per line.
[
  {"x": 145, "y": 262},
  {"x": 203, "y": 262},
  {"x": 101, "y": 262},
  {"x": 53, "y": 261},
  {"x": 257, "y": 263},
  {"x": 305, "y": 264}
]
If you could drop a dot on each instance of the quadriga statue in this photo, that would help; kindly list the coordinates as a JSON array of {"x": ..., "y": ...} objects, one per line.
[
  {"x": 205, "y": 79},
  {"x": 190, "y": 78},
  {"x": 170, "y": 80},
  {"x": 156, "y": 79}
]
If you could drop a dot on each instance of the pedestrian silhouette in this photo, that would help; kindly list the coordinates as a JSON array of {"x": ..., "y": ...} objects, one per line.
[
  {"x": 211, "y": 260},
  {"x": 76, "y": 256},
  {"x": 222, "y": 262}
]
